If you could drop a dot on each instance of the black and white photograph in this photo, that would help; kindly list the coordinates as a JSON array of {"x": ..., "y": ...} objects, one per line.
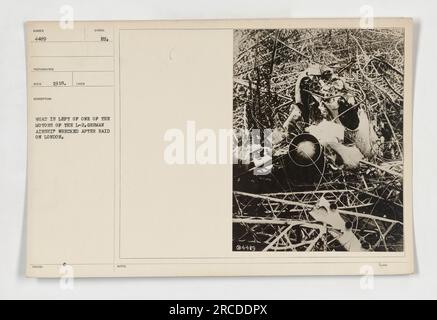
[{"x": 318, "y": 140}]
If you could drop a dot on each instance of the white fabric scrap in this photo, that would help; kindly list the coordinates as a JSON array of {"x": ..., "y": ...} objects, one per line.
[{"x": 327, "y": 132}]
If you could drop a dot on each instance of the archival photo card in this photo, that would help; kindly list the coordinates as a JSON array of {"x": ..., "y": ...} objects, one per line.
[{"x": 219, "y": 148}]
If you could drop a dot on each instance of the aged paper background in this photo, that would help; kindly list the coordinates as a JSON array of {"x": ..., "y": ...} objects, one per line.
[{"x": 108, "y": 205}]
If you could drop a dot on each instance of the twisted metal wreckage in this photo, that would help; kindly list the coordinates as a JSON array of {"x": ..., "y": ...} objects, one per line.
[{"x": 334, "y": 99}]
